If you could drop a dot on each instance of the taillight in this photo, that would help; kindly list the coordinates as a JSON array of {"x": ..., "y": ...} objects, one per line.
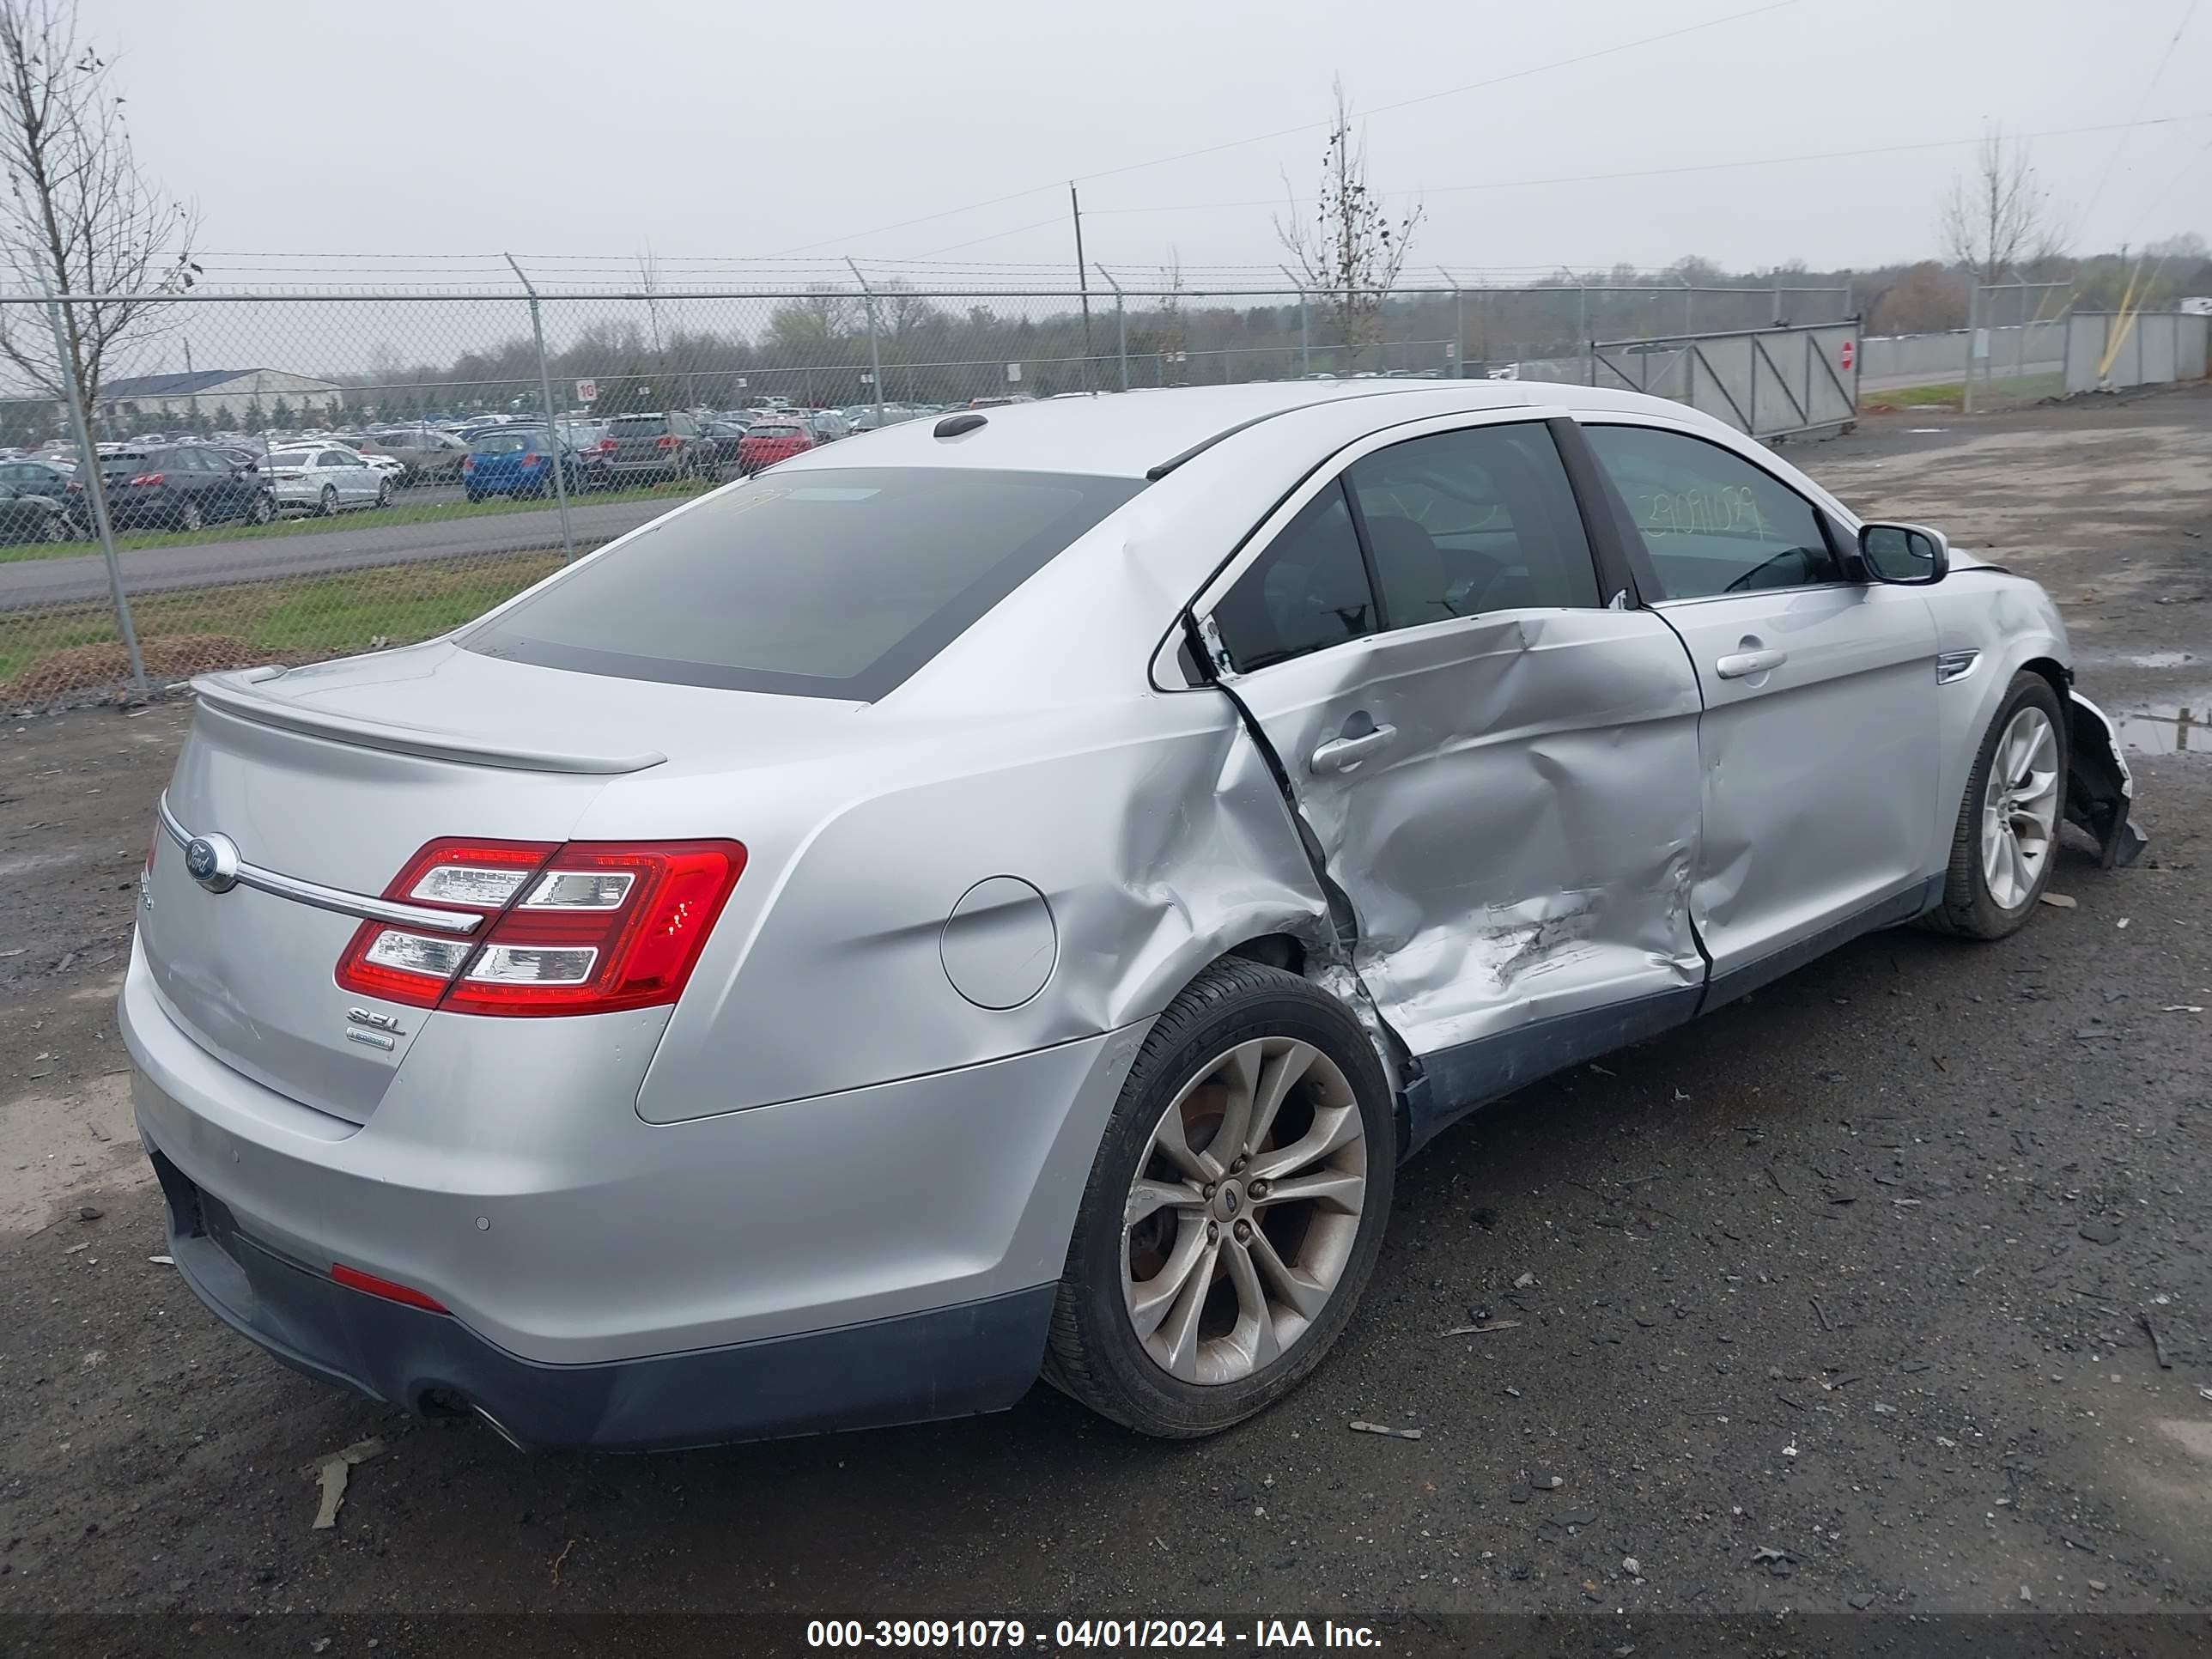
[
  {"x": 668, "y": 442},
  {"x": 147, "y": 478},
  {"x": 533, "y": 460},
  {"x": 74, "y": 487},
  {"x": 585, "y": 928},
  {"x": 468, "y": 463},
  {"x": 609, "y": 445}
]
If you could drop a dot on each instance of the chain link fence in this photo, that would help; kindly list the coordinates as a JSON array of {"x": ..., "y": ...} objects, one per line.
[{"x": 295, "y": 475}]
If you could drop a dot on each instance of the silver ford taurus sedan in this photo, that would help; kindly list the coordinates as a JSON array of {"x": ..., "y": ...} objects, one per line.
[{"x": 1000, "y": 896}]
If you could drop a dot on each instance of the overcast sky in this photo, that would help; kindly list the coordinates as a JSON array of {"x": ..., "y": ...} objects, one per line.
[{"x": 709, "y": 129}]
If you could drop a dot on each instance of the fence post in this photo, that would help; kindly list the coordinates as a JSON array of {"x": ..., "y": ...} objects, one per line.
[
  {"x": 95, "y": 495},
  {"x": 1305, "y": 332},
  {"x": 1459, "y": 324},
  {"x": 875, "y": 353},
  {"x": 1120, "y": 325},
  {"x": 553, "y": 438}
]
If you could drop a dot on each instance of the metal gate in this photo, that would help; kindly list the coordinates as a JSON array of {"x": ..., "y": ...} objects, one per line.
[{"x": 1768, "y": 382}]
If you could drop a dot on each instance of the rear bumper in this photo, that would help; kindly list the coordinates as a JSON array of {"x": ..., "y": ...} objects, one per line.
[
  {"x": 506, "y": 1173},
  {"x": 949, "y": 1362}
]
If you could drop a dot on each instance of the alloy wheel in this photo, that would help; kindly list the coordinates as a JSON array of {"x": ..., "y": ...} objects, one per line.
[
  {"x": 1245, "y": 1208},
  {"x": 2020, "y": 807}
]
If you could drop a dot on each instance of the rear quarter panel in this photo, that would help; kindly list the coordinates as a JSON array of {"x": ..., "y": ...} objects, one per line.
[{"x": 1151, "y": 827}]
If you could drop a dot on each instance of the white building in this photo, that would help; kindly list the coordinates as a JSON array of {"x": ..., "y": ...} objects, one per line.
[{"x": 221, "y": 394}]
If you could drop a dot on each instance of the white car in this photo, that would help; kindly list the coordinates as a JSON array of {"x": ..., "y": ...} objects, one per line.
[{"x": 326, "y": 479}]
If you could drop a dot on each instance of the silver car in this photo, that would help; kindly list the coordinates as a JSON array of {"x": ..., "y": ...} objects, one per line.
[{"x": 999, "y": 896}]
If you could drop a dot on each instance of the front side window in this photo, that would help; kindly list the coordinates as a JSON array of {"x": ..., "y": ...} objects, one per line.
[
  {"x": 1712, "y": 521},
  {"x": 1306, "y": 592},
  {"x": 1461, "y": 523}
]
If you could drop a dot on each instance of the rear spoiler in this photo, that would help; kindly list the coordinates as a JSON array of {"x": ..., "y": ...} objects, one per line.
[{"x": 233, "y": 694}]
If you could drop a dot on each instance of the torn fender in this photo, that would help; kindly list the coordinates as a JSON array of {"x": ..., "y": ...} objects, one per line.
[{"x": 2099, "y": 789}]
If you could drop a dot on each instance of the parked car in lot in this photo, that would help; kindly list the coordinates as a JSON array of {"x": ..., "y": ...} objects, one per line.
[
  {"x": 429, "y": 455},
  {"x": 886, "y": 931},
  {"x": 652, "y": 448},
  {"x": 27, "y": 517},
  {"x": 325, "y": 479},
  {"x": 35, "y": 477},
  {"x": 767, "y": 442},
  {"x": 725, "y": 434},
  {"x": 184, "y": 486},
  {"x": 517, "y": 461},
  {"x": 828, "y": 425}
]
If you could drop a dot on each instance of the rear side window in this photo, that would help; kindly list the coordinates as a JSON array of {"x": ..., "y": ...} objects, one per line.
[
  {"x": 1460, "y": 523},
  {"x": 1712, "y": 521},
  {"x": 833, "y": 583},
  {"x": 1307, "y": 591},
  {"x": 646, "y": 426}
]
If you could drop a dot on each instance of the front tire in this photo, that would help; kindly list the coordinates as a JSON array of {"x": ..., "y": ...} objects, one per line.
[
  {"x": 326, "y": 504},
  {"x": 2007, "y": 837},
  {"x": 384, "y": 492},
  {"x": 189, "y": 516},
  {"x": 262, "y": 509},
  {"x": 1234, "y": 1212}
]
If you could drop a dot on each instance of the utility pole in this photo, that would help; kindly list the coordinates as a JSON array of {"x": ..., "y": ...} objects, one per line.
[{"x": 1083, "y": 280}]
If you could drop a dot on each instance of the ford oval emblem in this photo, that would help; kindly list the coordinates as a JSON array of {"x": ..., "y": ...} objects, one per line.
[{"x": 212, "y": 861}]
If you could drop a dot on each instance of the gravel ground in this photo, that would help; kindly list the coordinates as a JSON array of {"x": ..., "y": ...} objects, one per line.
[{"x": 1850, "y": 1298}]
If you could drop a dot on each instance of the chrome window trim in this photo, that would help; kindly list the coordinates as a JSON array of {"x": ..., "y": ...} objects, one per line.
[{"x": 421, "y": 918}]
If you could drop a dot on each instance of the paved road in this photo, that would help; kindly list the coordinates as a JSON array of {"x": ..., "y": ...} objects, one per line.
[
  {"x": 1838, "y": 1300},
  {"x": 26, "y": 584}
]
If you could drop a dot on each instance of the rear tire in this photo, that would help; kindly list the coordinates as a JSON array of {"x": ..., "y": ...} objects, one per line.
[
  {"x": 474, "y": 495},
  {"x": 262, "y": 509},
  {"x": 1239, "y": 1285},
  {"x": 326, "y": 504},
  {"x": 189, "y": 516},
  {"x": 2007, "y": 837},
  {"x": 384, "y": 492}
]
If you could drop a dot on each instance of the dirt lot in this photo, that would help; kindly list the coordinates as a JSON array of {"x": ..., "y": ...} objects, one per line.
[{"x": 1842, "y": 1300}]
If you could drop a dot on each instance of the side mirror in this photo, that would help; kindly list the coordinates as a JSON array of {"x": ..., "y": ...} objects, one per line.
[{"x": 1907, "y": 554}]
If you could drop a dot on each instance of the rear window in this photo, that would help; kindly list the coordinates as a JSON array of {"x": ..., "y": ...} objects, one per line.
[
  {"x": 641, "y": 427},
  {"x": 290, "y": 457},
  {"x": 839, "y": 582},
  {"x": 772, "y": 432},
  {"x": 506, "y": 443}
]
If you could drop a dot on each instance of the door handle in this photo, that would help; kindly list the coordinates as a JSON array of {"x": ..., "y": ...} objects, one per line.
[
  {"x": 1742, "y": 664},
  {"x": 1342, "y": 754}
]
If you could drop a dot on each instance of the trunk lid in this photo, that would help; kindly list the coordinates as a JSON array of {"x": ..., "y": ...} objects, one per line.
[{"x": 337, "y": 774}]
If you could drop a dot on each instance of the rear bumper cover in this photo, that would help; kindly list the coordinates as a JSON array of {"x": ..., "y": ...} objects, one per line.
[{"x": 948, "y": 1361}]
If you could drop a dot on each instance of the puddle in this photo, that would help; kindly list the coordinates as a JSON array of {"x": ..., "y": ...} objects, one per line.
[
  {"x": 2155, "y": 731},
  {"x": 1918, "y": 431},
  {"x": 2161, "y": 660}
]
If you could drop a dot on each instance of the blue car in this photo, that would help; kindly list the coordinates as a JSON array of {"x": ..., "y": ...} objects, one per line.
[{"x": 515, "y": 463}]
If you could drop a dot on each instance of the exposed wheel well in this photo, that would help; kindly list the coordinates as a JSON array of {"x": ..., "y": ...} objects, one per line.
[
  {"x": 2060, "y": 677},
  {"x": 1275, "y": 950}
]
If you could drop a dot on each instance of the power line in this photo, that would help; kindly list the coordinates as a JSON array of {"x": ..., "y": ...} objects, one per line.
[
  {"x": 1658, "y": 173},
  {"x": 1304, "y": 126},
  {"x": 2151, "y": 86}
]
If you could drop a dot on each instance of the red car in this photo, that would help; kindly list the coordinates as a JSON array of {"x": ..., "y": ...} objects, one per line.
[{"x": 767, "y": 442}]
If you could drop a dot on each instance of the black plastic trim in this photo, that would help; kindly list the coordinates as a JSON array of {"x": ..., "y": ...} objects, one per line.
[
  {"x": 1455, "y": 1081},
  {"x": 1914, "y": 901}
]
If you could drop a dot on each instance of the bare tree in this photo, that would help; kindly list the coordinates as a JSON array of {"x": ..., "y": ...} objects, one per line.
[
  {"x": 1997, "y": 217},
  {"x": 1351, "y": 251},
  {"x": 81, "y": 219}
]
